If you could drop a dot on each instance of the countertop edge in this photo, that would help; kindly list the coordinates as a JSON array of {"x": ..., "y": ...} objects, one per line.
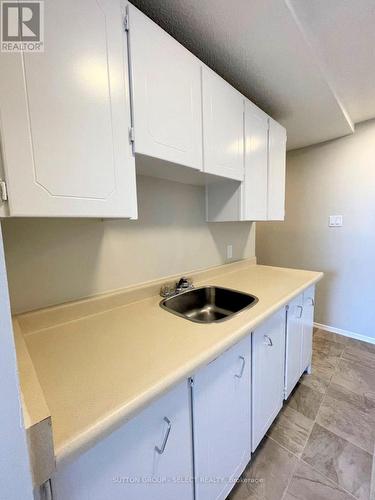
[{"x": 36, "y": 414}]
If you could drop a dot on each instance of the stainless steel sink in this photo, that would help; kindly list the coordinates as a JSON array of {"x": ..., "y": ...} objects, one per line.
[{"x": 208, "y": 304}]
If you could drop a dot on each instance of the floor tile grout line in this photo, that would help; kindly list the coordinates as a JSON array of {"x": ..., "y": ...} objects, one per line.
[
  {"x": 372, "y": 493},
  {"x": 345, "y": 439},
  {"x": 315, "y": 422},
  {"x": 316, "y": 416},
  {"x": 340, "y": 358},
  {"x": 329, "y": 479},
  {"x": 283, "y": 447},
  {"x": 295, "y": 465},
  {"x": 290, "y": 479},
  {"x": 312, "y": 427},
  {"x": 299, "y": 458}
]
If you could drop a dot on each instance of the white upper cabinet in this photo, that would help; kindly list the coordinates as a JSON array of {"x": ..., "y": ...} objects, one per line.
[
  {"x": 222, "y": 421},
  {"x": 276, "y": 171},
  {"x": 166, "y": 94},
  {"x": 256, "y": 164},
  {"x": 261, "y": 195},
  {"x": 223, "y": 123},
  {"x": 65, "y": 115}
]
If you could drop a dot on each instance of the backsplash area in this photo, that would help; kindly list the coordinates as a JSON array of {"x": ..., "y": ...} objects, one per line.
[{"x": 50, "y": 261}]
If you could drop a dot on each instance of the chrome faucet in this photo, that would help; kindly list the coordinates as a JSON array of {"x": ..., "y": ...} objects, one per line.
[{"x": 182, "y": 285}]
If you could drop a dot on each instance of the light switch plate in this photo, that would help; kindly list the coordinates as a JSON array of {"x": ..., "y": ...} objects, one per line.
[{"x": 335, "y": 221}]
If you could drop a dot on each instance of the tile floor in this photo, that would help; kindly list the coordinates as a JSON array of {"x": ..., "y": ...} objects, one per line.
[{"x": 321, "y": 445}]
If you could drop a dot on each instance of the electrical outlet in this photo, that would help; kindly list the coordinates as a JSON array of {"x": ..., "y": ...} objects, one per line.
[
  {"x": 335, "y": 221},
  {"x": 229, "y": 251}
]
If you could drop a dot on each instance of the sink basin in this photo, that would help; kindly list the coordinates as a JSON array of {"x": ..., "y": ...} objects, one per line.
[{"x": 208, "y": 304}]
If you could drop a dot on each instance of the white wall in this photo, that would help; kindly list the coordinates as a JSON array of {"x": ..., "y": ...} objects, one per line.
[
  {"x": 50, "y": 260},
  {"x": 337, "y": 177},
  {"x": 15, "y": 475}
]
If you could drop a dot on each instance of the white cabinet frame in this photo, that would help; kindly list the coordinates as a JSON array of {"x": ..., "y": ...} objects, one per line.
[{"x": 166, "y": 94}]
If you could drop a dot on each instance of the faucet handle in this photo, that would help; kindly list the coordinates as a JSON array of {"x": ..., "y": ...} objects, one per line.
[
  {"x": 184, "y": 282},
  {"x": 167, "y": 291}
]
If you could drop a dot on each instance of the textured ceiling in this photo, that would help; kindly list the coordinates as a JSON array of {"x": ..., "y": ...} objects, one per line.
[
  {"x": 342, "y": 34},
  {"x": 273, "y": 52}
]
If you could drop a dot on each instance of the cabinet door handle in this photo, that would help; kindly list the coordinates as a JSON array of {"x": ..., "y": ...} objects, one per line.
[
  {"x": 239, "y": 375},
  {"x": 268, "y": 340},
  {"x": 300, "y": 308},
  {"x": 166, "y": 436},
  {"x": 312, "y": 301}
]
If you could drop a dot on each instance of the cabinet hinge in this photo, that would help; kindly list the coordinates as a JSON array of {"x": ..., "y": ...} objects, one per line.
[
  {"x": 131, "y": 134},
  {"x": 126, "y": 22},
  {"x": 3, "y": 190}
]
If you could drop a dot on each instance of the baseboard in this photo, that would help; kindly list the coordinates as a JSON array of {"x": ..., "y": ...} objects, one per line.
[{"x": 345, "y": 333}]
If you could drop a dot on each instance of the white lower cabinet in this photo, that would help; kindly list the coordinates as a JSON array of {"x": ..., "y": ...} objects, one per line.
[
  {"x": 293, "y": 369},
  {"x": 300, "y": 318},
  {"x": 222, "y": 414},
  {"x": 222, "y": 422},
  {"x": 307, "y": 327},
  {"x": 268, "y": 349},
  {"x": 146, "y": 459}
]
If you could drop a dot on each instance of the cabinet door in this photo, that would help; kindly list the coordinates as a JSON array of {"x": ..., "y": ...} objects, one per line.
[
  {"x": 166, "y": 93},
  {"x": 293, "y": 344},
  {"x": 307, "y": 327},
  {"x": 222, "y": 422},
  {"x": 65, "y": 116},
  {"x": 276, "y": 171},
  {"x": 256, "y": 164},
  {"x": 268, "y": 349},
  {"x": 223, "y": 127},
  {"x": 146, "y": 459}
]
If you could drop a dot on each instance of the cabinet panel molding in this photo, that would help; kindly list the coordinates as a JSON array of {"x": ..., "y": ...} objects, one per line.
[
  {"x": 223, "y": 115},
  {"x": 166, "y": 94},
  {"x": 65, "y": 116}
]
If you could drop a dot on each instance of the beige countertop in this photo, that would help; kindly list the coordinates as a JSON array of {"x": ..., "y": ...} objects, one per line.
[{"x": 101, "y": 360}]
